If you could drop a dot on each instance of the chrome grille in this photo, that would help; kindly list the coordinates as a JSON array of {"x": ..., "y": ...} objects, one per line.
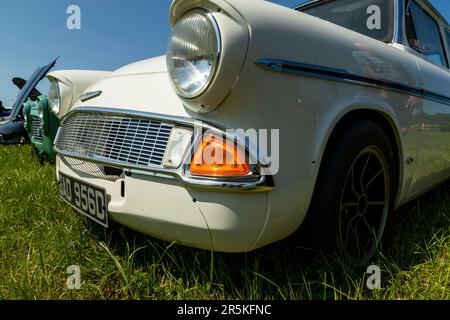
[
  {"x": 36, "y": 129},
  {"x": 114, "y": 139},
  {"x": 90, "y": 169}
]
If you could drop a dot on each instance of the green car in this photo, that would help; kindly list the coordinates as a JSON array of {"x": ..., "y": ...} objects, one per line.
[
  {"x": 42, "y": 126},
  {"x": 40, "y": 123},
  {"x": 42, "y": 113}
]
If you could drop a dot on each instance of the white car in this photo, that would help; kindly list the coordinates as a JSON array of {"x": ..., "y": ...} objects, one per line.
[{"x": 349, "y": 99}]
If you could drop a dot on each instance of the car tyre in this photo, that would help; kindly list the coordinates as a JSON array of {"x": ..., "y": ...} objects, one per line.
[{"x": 355, "y": 193}]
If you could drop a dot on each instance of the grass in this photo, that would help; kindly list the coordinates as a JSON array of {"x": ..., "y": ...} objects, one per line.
[{"x": 40, "y": 237}]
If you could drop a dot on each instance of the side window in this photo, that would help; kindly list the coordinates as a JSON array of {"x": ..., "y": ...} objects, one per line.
[
  {"x": 447, "y": 35},
  {"x": 373, "y": 18},
  {"x": 424, "y": 35}
]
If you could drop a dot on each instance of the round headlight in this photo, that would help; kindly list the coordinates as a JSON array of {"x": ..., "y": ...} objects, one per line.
[
  {"x": 193, "y": 53},
  {"x": 54, "y": 97}
]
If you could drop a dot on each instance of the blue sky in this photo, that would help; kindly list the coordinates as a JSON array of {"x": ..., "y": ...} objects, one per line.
[{"x": 114, "y": 33}]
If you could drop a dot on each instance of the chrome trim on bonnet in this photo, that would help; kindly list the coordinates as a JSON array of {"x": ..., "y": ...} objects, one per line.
[
  {"x": 90, "y": 95},
  {"x": 252, "y": 183},
  {"x": 341, "y": 75}
]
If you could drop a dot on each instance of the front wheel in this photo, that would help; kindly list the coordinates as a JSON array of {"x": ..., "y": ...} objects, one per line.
[{"x": 355, "y": 192}]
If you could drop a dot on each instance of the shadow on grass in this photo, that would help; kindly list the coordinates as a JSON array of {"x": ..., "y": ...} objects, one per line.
[
  {"x": 282, "y": 270},
  {"x": 416, "y": 224}
]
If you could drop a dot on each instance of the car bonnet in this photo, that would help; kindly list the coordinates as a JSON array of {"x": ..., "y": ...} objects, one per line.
[{"x": 37, "y": 76}]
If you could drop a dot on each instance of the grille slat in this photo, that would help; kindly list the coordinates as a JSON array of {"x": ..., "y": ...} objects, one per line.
[
  {"x": 114, "y": 138},
  {"x": 36, "y": 129}
]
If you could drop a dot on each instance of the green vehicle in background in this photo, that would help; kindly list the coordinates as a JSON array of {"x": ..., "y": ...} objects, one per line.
[
  {"x": 42, "y": 112},
  {"x": 42, "y": 125}
]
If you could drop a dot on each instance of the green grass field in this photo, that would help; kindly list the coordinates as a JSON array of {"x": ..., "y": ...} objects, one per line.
[{"x": 40, "y": 236}]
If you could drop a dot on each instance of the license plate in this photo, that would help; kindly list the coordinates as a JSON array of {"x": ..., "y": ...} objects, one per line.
[{"x": 85, "y": 198}]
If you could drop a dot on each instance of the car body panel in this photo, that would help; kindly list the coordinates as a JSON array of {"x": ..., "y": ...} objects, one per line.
[
  {"x": 288, "y": 56},
  {"x": 433, "y": 163},
  {"x": 164, "y": 209},
  {"x": 140, "y": 90},
  {"x": 12, "y": 132}
]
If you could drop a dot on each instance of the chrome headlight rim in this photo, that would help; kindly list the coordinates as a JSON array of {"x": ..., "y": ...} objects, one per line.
[
  {"x": 40, "y": 110},
  {"x": 218, "y": 54}
]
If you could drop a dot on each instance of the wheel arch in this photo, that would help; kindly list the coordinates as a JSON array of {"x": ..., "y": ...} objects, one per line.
[{"x": 382, "y": 118}]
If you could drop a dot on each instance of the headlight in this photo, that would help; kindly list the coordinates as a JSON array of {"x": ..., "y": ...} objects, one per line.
[
  {"x": 193, "y": 53},
  {"x": 54, "y": 97},
  {"x": 40, "y": 111}
]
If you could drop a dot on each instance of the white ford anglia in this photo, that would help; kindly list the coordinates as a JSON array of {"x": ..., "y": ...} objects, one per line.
[{"x": 330, "y": 115}]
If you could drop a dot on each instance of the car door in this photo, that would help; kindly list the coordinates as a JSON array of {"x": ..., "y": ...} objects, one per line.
[{"x": 425, "y": 33}]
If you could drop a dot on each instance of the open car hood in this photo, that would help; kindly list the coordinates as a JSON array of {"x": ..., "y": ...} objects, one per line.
[{"x": 28, "y": 88}]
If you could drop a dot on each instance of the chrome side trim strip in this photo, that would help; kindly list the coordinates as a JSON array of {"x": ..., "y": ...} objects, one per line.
[
  {"x": 341, "y": 75},
  {"x": 431, "y": 96},
  {"x": 334, "y": 74},
  {"x": 252, "y": 183}
]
